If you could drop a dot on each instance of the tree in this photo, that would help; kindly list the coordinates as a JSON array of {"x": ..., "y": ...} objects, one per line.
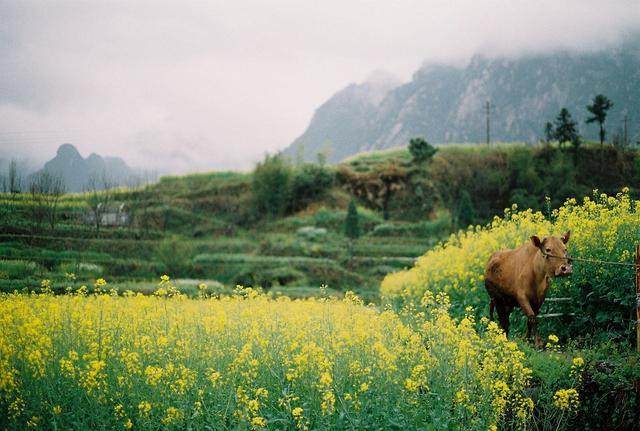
[
  {"x": 375, "y": 187},
  {"x": 271, "y": 186},
  {"x": 565, "y": 128},
  {"x": 421, "y": 151},
  {"x": 309, "y": 182},
  {"x": 351, "y": 223},
  {"x": 601, "y": 104},
  {"x": 548, "y": 133},
  {"x": 466, "y": 211},
  {"x": 100, "y": 194},
  {"x": 46, "y": 190},
  {"x": 13, "y": 179}
]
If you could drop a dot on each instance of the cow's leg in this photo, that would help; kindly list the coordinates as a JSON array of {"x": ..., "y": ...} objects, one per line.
[
  {"x": 532, "y": 320},
  {"x": 504, "y": 311},
  {"x": 491, "y": 306}
]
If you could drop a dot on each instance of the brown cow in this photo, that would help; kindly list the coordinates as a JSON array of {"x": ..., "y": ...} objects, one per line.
[{"x": 521, "y": 277}]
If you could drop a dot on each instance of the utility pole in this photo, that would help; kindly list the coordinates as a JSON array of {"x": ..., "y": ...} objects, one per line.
[
  {"x": 487, "y": 111},
  {"x": 625, "y": 132}
]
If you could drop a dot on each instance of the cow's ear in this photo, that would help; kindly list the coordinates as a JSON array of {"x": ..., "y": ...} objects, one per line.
[
  {"x": 566, "y": 236},
  {"x": 536, "y": 241}
]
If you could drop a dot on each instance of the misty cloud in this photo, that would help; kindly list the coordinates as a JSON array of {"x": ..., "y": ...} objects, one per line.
[{"x": 184, "y": 86}]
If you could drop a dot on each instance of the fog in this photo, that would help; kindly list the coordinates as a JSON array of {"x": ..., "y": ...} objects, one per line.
[{"x": 193, "y": 86}]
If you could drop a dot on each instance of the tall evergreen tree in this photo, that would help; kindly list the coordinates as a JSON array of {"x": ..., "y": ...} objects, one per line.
[
  {"x": 352, "y": 225},
  {"x": 548, "y": 132},
  {"x": 565, "y": 128},
  {"x": 601, "y": 104},
  {"x": 466, "y": 211}
]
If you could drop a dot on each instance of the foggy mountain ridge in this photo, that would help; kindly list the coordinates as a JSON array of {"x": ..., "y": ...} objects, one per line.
[
  {"x": 446, "y": 104},
  {"x": 77, "y": 171}
]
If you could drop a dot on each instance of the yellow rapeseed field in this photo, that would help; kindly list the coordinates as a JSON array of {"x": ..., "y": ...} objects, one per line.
[
  {"x": 250, "y": 361},
  {"x": 603, "y": 227}
]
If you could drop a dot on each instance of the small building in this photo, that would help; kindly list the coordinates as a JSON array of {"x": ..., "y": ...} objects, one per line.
[{"x": 111, "y": 215}]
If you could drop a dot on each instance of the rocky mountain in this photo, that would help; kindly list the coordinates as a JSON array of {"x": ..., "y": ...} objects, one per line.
[
  {"x": 448, "y": 104},
  {"x": 77, "y": 171}
]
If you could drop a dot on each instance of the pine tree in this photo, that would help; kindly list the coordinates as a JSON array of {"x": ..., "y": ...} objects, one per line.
[
  {"x": 466, "y": 211},
  {"x": 565, "y": 130},
  {"x": 351, "y": 225}
]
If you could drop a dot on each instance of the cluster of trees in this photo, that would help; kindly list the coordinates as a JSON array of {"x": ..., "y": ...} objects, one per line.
[
  {"x": 280, "y": 189},
  {"x": 45, "y": 190},
  {"x": 565, "y": 130},
  {"x": 12, "y": 181}
]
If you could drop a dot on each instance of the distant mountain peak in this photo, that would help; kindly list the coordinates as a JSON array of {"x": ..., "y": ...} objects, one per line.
[
  {"x": 68, "y": 151},
  {"x": 445, "y": 103},
  {"x": 77, "y": 171}
]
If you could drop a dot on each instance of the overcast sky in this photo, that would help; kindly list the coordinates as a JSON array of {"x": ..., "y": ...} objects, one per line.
[{"x": 191, "y": 86}]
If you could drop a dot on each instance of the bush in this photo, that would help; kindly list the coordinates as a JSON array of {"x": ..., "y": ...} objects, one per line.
[
  {"x": 271, "y": 186},
  {"x": 174, "y": 254},
  {"x": 309, "y": 184}
]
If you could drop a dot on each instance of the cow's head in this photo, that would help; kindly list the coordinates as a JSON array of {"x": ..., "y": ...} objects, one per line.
[{"x": 554, "y": 250}]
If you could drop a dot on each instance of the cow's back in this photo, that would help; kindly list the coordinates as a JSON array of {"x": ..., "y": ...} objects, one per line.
[
  {"x": 501, "y": 272},
  {"x": 506, "y": 268}
]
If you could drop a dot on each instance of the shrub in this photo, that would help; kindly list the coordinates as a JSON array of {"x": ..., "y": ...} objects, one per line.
[
  {"x": 174, "y": 254},
  {"x": 310, "y": 183},
  {"x": 351, "y": 223},
  {"x": 271, "y": 186}
]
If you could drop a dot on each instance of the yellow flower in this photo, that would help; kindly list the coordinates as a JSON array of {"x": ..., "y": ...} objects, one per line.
[
  {"x": 566, "y": 399},
  {"x": 297, "y": 412},
  {"x": 144, "y": 408},
  {"x": 461, "y": 396},
  {"x": 213, "y": 376},
  {"x": 258, "y": 422},
  {"x": 56, "y": 410},
  {"x": 172, "y": 415}
]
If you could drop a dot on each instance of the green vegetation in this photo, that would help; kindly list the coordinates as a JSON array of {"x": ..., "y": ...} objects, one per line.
[
  {"x": 291, "y": 228},
  {"x": 273, "y": 219}
]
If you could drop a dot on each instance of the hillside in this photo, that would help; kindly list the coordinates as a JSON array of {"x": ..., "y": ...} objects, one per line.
[
  {"x": 208, "y": 226},
  {"x": 446, "y": 103}
]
